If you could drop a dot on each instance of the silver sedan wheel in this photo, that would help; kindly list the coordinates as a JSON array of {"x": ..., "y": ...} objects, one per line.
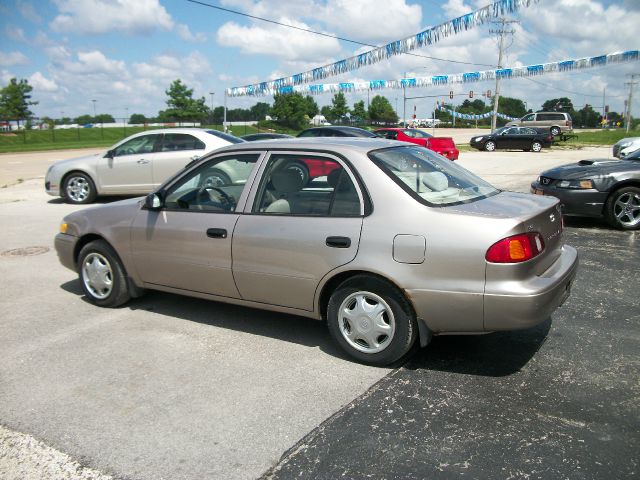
[
  {"x": 490, "y": 146},
  {"x": 536, "y": 146},
  {"x": 366, "y": 322},
  {"x": 627, "y": 209},
  {"x": 78, "y": 189},
  {"x": 97, "y": 275}
]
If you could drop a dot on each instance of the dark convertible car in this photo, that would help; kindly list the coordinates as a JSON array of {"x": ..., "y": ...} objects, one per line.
[
  {"x": 608, "y": 188},
  {"x": 513, "y": 138}
]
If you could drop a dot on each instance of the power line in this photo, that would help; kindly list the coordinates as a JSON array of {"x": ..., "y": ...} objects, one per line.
[{"x": 274, "y": 22}]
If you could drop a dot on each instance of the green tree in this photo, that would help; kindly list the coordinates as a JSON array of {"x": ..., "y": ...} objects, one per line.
[
  {"x": 311, "y": 107},
  {"x": 136, "y": 118},
  {"x": 325, "y": 111},
  {"x": 514, "y": 107},
  {"x": 339, "y": 106},
  {"x": 103, "y": 118},
  {"x": 586, "y": 117},
  {"x": 259, "y": 111},
  {"x": 182, "y": 106},
  {"x": 381, "y": 111},
  {"x": 15, "y": 100},
  {"x": 289, "y": 110},
  {"x": 83, "y": 119},
  {"x": 359, "y": 111},
  {"x": 562, "y": 104}
]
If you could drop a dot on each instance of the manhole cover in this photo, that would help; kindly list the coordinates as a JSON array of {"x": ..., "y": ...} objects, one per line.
[{"x": 25, "y": 252}]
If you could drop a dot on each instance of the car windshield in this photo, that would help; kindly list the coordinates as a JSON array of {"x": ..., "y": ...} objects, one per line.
[
  {"x": 498, "y": 131},
  {"x": 633, "y": 156},
  {"x": 225, "y": 136},
  {"x": 430, "y": 178}
]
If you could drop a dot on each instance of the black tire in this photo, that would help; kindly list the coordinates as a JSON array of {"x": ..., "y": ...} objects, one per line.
[
  {"x": 398, "y": 321},
  {"x": 102, "y": 276},
  {"x": 215, "y": 178},
  {"x": 490, "y": 146},
  {"x": 622, "y": 209},
  {"x": 536, "y": 147},
  {"x": 302, "y": 170},
  {"x": 78, "y": 188},
  {"x": 555, "y": 131}
]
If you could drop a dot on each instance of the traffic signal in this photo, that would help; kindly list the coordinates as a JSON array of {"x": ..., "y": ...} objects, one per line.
[
  {"x": 488, "y": 93},
  {"x": 471, "y": 94},
  {"x": 451, "y": 94}
]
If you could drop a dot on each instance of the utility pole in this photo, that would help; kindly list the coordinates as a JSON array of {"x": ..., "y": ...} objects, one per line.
[
  {"x": 404, "y": 101},
  {"x": 630, "y": 99},
  {"x": 501, "y": 32}
]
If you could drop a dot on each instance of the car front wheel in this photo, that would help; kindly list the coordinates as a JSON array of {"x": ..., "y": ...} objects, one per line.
[
  {"x": 623, "y": 208},
  {"x": 490, "y": 146},
  {"x": 102, "y": 276},
  {"x": 371, "y": 320},
  {"x": 78, "y": 188},
  {"x": 536, "y": 146}
]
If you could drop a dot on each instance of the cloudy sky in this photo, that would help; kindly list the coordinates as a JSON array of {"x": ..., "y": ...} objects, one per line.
[{"x": 124, "y": 53}]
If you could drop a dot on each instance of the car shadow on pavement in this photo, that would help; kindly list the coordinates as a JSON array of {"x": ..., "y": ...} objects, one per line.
[
  {"x": 280, "y": 326},
  {"x": 493, "y": 355},
  {"x": 586, "y": 222}
]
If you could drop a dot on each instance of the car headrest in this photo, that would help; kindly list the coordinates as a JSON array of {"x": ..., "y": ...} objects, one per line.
[
  {"x": 286, "y": 181},
  {"x": 435, "y": 181}
]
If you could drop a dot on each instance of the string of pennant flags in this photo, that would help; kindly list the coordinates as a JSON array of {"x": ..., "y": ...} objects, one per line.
[
  {"x": 425, "y": 38},
  {"x": 469, "y": 116},
  {"x": 442, "y": 80}
]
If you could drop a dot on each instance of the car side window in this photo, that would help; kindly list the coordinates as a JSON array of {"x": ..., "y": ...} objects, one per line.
[
  {"x": 309, "y": 133},
  {"x": 528, "y": 118},
  {"x": 173, "y": 142},
  {"x": 390, "y": 134},
  {"x": 136, "y": 146},
  {"x": 306, "y": 185},
  {"x": 214, "y": 186}
]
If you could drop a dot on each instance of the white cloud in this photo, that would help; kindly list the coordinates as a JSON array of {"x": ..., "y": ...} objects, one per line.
[
  {"x": 42, "y": 84},
  {"x": 6, "y": 76},
  {"x": 28, "y": 11},
  {"x": 277, "y": 41},
  {"x": 102, "y": 16},
  {"x": 9, "y": 59},
  {"x": 185, "y": 34},
  {"x": 15, "y": 33},
  {"x": 94, "y": 63}
]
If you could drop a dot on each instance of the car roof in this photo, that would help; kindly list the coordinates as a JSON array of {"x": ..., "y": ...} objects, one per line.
[{"x": 337, "y": 144}]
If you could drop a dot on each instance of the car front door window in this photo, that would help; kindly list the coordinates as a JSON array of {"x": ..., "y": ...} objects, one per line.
[{"x": 137, "y": 146}]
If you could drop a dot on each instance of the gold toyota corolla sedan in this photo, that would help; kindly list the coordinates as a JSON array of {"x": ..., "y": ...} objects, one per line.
[{"x": 389, "y": 243}]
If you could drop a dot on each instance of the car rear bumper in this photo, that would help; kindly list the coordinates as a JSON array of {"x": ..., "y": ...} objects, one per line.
[
  {"x": 65, "y": 246},
  {"x": 523, "y": 304},
  {"x": 588, "y": 203}
]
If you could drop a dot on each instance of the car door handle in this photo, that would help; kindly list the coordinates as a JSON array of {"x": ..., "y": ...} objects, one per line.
[
  {"x": 216, "y": 233},
  {"x": 338, "y": 242},
  {"x": 142, "y": 161}
]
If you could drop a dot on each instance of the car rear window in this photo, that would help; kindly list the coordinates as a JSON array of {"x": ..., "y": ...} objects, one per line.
[
  {"x": 225, "y": 136},
  {"x": 430, "y": 178}
]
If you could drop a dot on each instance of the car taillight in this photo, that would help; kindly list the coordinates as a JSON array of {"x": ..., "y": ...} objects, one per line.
[{"x": 516, "y": 249}]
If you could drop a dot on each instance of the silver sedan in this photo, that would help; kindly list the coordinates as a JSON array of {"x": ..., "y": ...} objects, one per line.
[
  {"x": 136, "y": 165},
  {"x": 390, "y": 244}
]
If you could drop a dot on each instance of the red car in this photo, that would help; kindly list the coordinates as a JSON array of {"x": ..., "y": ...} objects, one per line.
[{"x": 445, "y": 146}]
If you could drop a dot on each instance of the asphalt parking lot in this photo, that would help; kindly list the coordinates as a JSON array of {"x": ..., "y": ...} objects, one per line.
[{"x": 173, "y": 387}]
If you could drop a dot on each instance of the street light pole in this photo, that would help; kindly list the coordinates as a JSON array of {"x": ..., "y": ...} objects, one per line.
[{"x": 94, "y": 111}]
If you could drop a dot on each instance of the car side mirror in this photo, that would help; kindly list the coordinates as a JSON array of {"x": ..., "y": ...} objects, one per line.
[
  {"x": 109, "y": 154},
  {"x": 153, "y": 202}
]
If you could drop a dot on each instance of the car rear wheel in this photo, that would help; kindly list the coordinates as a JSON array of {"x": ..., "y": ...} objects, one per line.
[
  {"x": 536, "y": 146},
  {"x": 102, "y": 276},
  {"x": 490, "y": 146},
  {"x": 371, "y": 320},
  {"x": 78, "y": 188},
  {"x": 555, "y": 131},
  {"x": 623, "y": 208}
]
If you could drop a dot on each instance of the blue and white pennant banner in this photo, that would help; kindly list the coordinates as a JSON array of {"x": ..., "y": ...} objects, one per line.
[
  {"x": 443, "y": 80},
  {"x": 469, "y": 116},
  {"x": 427, "y": 37}
]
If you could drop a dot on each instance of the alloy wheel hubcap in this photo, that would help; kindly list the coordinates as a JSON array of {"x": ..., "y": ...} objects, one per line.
[
  {"x": 627, "y": 209},
  {"x": 97, "y": 275},
  {"x": 366, "y": 322},
  {"x": 78, "y": 189}
]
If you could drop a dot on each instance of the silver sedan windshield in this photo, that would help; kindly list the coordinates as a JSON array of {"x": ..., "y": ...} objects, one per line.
[{"x": 429, "y": 177}]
